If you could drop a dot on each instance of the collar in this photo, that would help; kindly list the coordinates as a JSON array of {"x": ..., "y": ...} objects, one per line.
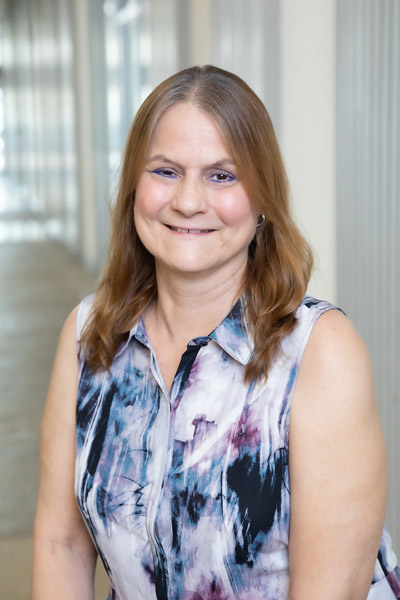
[
  {"x": 139, "y": 332},
  {"x": 231, "y": 335}
]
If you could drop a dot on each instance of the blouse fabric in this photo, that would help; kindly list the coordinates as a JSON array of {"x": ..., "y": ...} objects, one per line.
[{"x": 186, "y": 494}]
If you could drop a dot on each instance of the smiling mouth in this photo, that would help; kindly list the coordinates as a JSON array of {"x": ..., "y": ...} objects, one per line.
[{"x": 183, "y": 230}]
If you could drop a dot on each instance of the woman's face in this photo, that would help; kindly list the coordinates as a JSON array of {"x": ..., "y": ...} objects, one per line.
[{"x": 192, "y": 212}]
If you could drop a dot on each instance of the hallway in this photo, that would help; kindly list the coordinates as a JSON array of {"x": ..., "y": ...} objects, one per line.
[{"x": 40, "y": 284}]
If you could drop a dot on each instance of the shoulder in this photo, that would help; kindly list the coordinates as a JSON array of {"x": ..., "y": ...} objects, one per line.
[
  {"x": 69, "y": 346},
  {"x": 308, "y": 314},
  {"x": 328, "y": 337},
  {"x": 335, "y": 355},
  {"x": 66, "y": 359},
  {"x": 333, "y": 401},
  {"x": 82, "y": 314},
  {"x": 67, "y": 343}
]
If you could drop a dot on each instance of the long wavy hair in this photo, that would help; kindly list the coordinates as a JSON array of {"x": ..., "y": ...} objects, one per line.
[{"x": 279, "y": 261}]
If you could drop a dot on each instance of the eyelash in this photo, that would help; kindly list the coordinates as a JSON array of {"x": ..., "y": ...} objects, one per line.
[
  {"x": 165, "y": 172},
  {"x": 228, "y": 177},
  {"x": 170, "y": 174}
]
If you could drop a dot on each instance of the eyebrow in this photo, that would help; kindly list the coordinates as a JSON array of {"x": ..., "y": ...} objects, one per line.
[{"x": 217, "y": 165}]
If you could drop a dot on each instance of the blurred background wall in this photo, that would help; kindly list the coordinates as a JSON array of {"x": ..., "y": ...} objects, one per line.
[{"x": 74, "y": 72}]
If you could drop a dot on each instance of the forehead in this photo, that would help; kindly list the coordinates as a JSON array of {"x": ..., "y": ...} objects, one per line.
[{"x": 185, "y": 123}]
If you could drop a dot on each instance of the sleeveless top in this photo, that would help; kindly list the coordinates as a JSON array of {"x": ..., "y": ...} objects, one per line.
[{"x": 186, "y": 494}]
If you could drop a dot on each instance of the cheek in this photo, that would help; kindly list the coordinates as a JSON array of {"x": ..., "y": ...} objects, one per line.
[
  {"x": 236, "y": 209},
  {"x": 147, "y": 200}
]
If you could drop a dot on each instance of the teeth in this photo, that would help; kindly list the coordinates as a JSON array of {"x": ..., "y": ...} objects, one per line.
[{"x": 181, "y": 230}]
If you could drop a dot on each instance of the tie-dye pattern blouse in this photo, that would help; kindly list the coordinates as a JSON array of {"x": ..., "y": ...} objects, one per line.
[{"x": 186, "y": 494}]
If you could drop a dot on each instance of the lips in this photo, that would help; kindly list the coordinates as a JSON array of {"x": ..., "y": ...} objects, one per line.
[{"x": 184, "y": 230}]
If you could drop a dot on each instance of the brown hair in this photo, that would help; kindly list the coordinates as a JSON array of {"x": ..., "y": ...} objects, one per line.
[{"x": 280, "y": 261}]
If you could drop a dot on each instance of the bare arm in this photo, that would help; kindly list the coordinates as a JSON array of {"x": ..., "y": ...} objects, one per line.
[
  {"x": 64, "y": 556},
  {"x": 337, "y": 468}
]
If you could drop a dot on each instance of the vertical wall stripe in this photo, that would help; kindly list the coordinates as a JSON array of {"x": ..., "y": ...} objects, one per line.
[
  {"x": 245, "y": 40},
  {"x": 368, "y": 208}
]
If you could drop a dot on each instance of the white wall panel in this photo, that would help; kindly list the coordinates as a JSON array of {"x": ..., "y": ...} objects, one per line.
[
  {"x": 200, "y": 21},
  {"x": 308, "y": 128},
  {"x": 368, "y": 208}
]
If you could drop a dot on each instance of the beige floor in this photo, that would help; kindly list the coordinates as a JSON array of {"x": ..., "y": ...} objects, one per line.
[
  {"x": 40, "y": 283},
  {"x": 15, "y": 570}
]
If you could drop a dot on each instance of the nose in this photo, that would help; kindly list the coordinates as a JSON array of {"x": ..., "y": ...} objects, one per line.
[{"x": 189, "y": 197}]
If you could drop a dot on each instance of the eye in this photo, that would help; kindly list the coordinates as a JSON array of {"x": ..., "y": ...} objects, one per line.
[
  {"x": 222, "y": 176},
  {"x": 165, "y": 172}
]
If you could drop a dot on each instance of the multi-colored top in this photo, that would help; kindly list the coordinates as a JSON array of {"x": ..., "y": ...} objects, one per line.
[{"x": 186, "y": 494}]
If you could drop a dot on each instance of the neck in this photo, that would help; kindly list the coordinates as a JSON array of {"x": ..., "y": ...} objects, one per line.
[{"x": 190, "y": 307}]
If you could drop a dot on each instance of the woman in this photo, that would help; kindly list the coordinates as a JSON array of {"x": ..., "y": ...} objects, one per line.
[{"x": 195, "y": 348}]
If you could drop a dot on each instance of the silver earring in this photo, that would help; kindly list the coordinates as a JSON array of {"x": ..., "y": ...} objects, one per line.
[{"x": 260, "y": 220}]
